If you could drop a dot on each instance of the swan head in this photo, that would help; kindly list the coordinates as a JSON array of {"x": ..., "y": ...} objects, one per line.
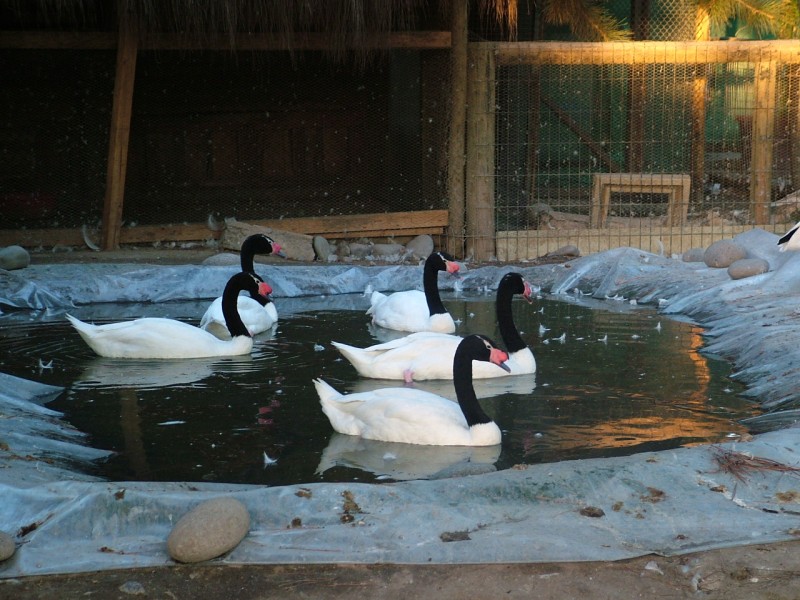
[
  {"x": 481, "y": 347},
  {"x": 261, "y": 243},
  {"x": 442, "y": 261},
  {"x": 518, "y": 285}
]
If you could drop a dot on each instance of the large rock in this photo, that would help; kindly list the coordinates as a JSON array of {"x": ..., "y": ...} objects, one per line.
[
  {"x": 297, "y": 246},
  {"x": 209, "y": 530},
  {"x": 747, "y": 267},
  {"x": 723, "y": 253},
  {"x": 7, "y": 546},
  {"x": 14, "y": 257},
  {"x": 421, "y": 247}
]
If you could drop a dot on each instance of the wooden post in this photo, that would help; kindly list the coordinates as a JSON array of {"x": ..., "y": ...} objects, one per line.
[
  {"x": 458, "y": 117},
  {"x": 119, "y": 135},
  {"x": 793, "y": 93},
  {"x": 480, "y": 217},
  {"x": 766, "y": 77},
  {"x": 699, "y": 99}
]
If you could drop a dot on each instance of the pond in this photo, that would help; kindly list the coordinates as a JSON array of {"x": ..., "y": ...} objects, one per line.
[{"x": 613, "y": 379}]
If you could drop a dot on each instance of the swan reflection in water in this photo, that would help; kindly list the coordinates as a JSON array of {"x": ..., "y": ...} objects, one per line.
[
  {"x": 402, "y": 462},
  {"x": 143, "y": 374},
  {"x": 521, "y": 385}
]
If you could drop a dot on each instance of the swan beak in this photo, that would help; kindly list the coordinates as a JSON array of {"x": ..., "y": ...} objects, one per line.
[
  {"x": 499, "y": 358},
  {"x": 264, "y": 289},
  {"x": 278, "y": 250},
  {"x": 452, "y": 267},
  {"x": 528, "y": 293}
]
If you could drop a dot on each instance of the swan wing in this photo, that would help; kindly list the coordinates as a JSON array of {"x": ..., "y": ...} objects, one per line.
[
  {"x": 402, "y": 311},
  {"x": 421, "y": 356}
]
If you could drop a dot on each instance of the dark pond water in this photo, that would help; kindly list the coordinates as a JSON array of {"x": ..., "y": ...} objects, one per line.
[{"x": 612, "y": 380}]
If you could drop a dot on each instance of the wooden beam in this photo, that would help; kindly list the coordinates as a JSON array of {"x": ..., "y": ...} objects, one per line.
[
  {"x": 480, "y": 177},
  {"x": 119, "y": 136},
  {"x": 58, "y": 40},
  {"x": 631, "y": 53},
  {"x": 409, "y": 223},
  {"x": 456, "y": 142},
  {"x": 107, "y": 40},
  {"x": 409, "y": 40},
  {"x": 343, "y": 226},
  {"x": 763, "y": 138}
]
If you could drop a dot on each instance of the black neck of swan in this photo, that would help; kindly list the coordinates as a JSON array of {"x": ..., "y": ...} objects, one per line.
[
  {"x": 230, "y": 298},
  {"x": 462, "y": 380},
  {"x": 430, "y": 283},
  {"x": 510, "y": 284}
]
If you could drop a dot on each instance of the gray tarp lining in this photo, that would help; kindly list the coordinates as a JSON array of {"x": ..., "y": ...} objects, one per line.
[{"x": 665, "y": 502}]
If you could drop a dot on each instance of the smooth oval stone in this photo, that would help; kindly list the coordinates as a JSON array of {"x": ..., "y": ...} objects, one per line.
[
  {"x": 694, "y": 255},
  {"x": 7, "y": 546},
  {"x": 387, "y": 249},
  {"x": 747, "y": 267},
  {"x": 723, "y": 253},
  {"x": 570, "y": 251},
  {"x": 421, "y": 246},
  {"x": 322, "y": 248},
  {"x": 14, "y": 257},
  {"x": 208, "y": 530}
]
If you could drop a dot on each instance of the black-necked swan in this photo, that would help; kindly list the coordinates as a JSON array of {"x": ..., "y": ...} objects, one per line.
[
  {"x": 413, "y": 310},
  {"x": 409, "y": 358},
  {"x": 157, "y": 337},
  {"x": 258, "y": 311},
  {"x": 412, "y": 416},
  {"x": 790, "y": 240}
]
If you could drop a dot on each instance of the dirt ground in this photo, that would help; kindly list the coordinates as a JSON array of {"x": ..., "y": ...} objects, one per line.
[
  {"x": 761, "y": 571},
  {"x": 768, "y": 572}
]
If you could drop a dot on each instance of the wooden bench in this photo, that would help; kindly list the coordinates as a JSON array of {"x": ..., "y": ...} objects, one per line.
[{"x": 675, "y": 186}]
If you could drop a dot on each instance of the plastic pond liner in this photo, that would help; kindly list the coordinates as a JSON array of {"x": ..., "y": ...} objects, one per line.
[{"x": 665, "y": 502}]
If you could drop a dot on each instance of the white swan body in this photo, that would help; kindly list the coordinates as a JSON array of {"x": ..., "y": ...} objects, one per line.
[
  {"x": 407, "y": 311},
  {"x": 415, "y": 416},
  {"x": 256, "y": 318},
  {"x": 790, "y": 240},
  {"x": 415, "y": 310},
  {"x": 258, "y": 312},
  {"x": 428, "y": 355},
  {"x": 156, "y": 337}
]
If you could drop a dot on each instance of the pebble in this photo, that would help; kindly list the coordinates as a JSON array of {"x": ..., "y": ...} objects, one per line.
[
  {"x": 421, "y": 247},
  {"x": 7, "y": 546},
  {"x": 209, "y": 530},
  {"x": 14, "y": 257},
  {"x": 133, "y": 588},
  {"x": 747, "y": 267},
  {"x": 694, "y": 255},
  {"x": 723, "y": 254}
]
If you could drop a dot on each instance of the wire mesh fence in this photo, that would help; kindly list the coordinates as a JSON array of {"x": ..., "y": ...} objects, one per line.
[{"x": 659, "y": 146}]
